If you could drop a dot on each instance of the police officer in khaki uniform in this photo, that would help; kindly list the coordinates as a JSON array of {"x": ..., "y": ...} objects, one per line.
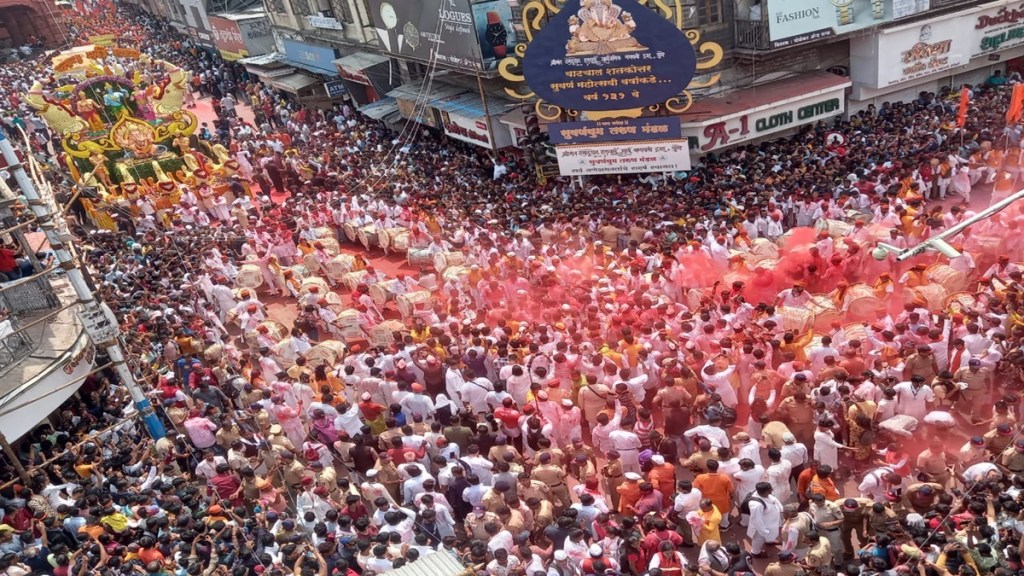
[
  {"x": 998, "y": 439},
  {"x": 1013, "y": 457},
  {"x": 855, "y": 521},
  {"x": 828, "y": 519},
  {"x": 554, "y": 477},
  {"x": 934, "y": 463}
]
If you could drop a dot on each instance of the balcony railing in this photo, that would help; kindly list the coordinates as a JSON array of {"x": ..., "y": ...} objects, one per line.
[{"x": 752, "y": 34}]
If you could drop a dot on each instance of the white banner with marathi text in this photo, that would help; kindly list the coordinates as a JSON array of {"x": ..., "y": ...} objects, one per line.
[{"x": 623, "y": 158}]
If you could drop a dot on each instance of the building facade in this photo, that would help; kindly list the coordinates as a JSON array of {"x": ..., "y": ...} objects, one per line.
[{"x": 785, "y": 64}]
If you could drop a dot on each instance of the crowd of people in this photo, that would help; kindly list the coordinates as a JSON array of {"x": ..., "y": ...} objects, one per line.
[{"x": 614, "y": 378}]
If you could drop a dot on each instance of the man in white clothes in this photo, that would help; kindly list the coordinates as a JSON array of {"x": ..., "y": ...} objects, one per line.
[
  {"x": 628, "y": 445},
  {"x": 765, "y": 519}
]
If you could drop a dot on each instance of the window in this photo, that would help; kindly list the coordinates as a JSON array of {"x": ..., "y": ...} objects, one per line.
[
  {"x": 710, "y": 12},
  {"x": 342, "y": 10},
  {"x": 276, "y": 6},
  {"x": 300, "y": 8}
]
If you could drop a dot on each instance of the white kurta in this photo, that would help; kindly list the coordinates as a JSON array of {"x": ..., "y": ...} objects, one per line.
[
  {"x": 765, "y": 520},
  {"x": 628, "y": 446},
  {"x": 826, "y": 449}
]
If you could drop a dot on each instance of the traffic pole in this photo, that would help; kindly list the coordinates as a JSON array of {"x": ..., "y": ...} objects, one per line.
[{"x": 98, "y": 320}]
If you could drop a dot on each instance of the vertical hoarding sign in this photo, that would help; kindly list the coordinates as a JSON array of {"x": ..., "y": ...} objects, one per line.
[{"x": 437, "y": 31}]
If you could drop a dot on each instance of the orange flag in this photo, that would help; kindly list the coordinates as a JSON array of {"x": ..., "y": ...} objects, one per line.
[
  {"x": 961, "y": 113},
  {"x": 1016, "y": 110}
]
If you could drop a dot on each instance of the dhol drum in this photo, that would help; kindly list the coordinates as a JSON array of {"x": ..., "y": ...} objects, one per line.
[
  {"x": 249, "y": 276},
  {"x": 856, "y": 331},
  {"x": 350, "y": 229},
  {"x": 322, "y": 288},
  {"x": 835, "y": 228},
  {"x": 337, "y": 267},
  {"x": 861, "y": 302},
  {"x": 367, "y": 236},
  {"x": 419, "y": 257},
  {"x": 985, "y": 245},
  {"x": 798, "y": 320},
  {"x": 325, "y": 232},
  {"x": 929, "y": 296},
  {"x": 960, "y": 302},
  {"x": 353, "y": 279},
  {"x": 275, "y": 331},
  {"x": 947, "y": 277},
  {"x": 348, "y": 324},
  {"x": 383, "y": 334},
  {"x": 443, "y": 260},
  {"x": 330, "y": 245},
  {"x": 454, "y": 273},
  {"x": 301, "y": 271},
  {"x": 825, "y": 312},
  {"x": 384, "y": 292},
  {"x": 328, "y": 352},
  {"x": 400, "y": 242},
  {"x": 310, "y": 262},
  {"x": 858, "y": 216},
  {"x": 284, "y": 354},
  {"x": 386, "y": 237},
  {"x": 764, "y": 249},
  {"x": 410, "y": 302}
]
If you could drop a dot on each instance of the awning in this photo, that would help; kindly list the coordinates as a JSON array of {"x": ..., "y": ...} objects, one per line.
[
  {"x": 471, "y": 106},
  {"x": 293, "y": 83},
  {"x": 360, "y": 61},
  {"x": 763, "y": 96},
  {"x": 263, "y": 59},
  {"x": 380, "y": 109},
  {"x": 425, "y": 91}
]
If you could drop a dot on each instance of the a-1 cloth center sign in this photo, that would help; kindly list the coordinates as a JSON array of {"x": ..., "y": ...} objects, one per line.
[{"x": 601, "y": 55}]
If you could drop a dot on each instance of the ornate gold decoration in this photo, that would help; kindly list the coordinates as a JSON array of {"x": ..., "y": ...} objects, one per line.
[
  {"x": 135, "y": 136},
  {"x": 535, "y": 16}
]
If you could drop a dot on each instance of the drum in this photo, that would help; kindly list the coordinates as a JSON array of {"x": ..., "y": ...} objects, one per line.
[
  {"x": 323, "y": 288},
  {"x": 337, "y": 267},
  {"x": 960, "y": 302},
  {"x": 695, "y": 297},
  {"x": 330, "y": 245},
  {"x": 325, "y": 232},
  {"x": 984, "y": 245},
  {"x": 350, "y": 228},
  {"x": 858, "y": 216},
  {"x": 300, "y": 271},
  {"x": 879, "y": 232},
  {"x": 353, "y": 279},
  {"x": 383, "y": 292},
  {"x": 400, "y": 242},
  {"x": 825, "y": 312},
  {"x": 419, "y": 257},
  {"x": 454, "y": 272},
  {"x": 348, "y": 324},
  {"x": 383, "y": 334},
  {"x": 764, "y": 249},
  {"x": 861, "y": 302},
  {"x": 947, "y": 277},
  {"x": 857, "y": 331},
  {"x": 284, "y": 354},
  {"x": 410, "y": 302},
  {"x": 328, "y": 352},
  {"x": 310, "y": 262},
  {"x": 443, "y": 260},
  {"x": 835, "y": 228},
  {"x": 249, "y": 276},
  {"x": 275, "y": 331},
  {"x": 386, "y": 236},
  {"x": 367, "y": 236},
  {"x": 930, "y": 296},
  {"x": 798, "y": 320}
]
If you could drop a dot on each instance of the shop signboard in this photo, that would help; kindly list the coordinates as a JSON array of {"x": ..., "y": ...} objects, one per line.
[
  {"x": 466, "y": 129},
  {"x": 335, "y": 89},
  {"x": 495, "y": 35},
  {"x": 998, "y": 28},
  {"x": 257, "y": 35},
  {"x": 441, "y": 32},
  {"x": 915, "y": 51},
  {"x": 792, "y": 22},
  {"x": 319, "y": 59},
  {"x": 228, "y": 38},
  {"x": 611, "y": 55},
  {"x": 662, "y": 128},
  {"x": 623, "y": 158},
  {"x": 764, "y": 120}
]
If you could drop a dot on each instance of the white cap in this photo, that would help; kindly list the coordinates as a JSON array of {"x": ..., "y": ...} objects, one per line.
[
  {"x": 658, "y": 459},
  {"x": 561, "y": 555},
  {"x": 595, "y": 551},
  {"x": 633, "y": 476},
  {"x": 371, "y": 473}
]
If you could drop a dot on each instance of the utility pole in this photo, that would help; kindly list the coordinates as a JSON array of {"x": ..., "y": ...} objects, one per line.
[{"x": 97, "y": 318}]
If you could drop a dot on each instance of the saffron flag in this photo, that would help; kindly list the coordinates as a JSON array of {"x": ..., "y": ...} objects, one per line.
[
  {"x": 1016, "y": 109},
  {"x": 961, "y": 113}
]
